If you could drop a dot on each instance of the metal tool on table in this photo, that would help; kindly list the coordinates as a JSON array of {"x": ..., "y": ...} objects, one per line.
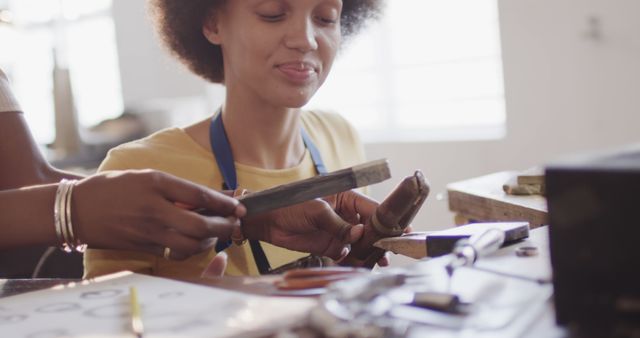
[
  {"x": 468, "y": 251},
  {"x": 389, "y": 303},
  {"x": 441, "y": 242},
  {"x": 411, "y": 301}
]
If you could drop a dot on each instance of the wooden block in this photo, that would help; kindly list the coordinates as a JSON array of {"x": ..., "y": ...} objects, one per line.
[
  {"x": 533, "y": 175},
  {"x": 524, "y": 189},
  {"x": 460, "y": 219},
  {"x": 412, "y": 245},
  {"x": 436, "y": 243},
  {"x": 528, "y": 182},
  {"x": 482, "y": 199},
  {"x": 316, "y": 187},
  {"x": 513, "y": 188}
]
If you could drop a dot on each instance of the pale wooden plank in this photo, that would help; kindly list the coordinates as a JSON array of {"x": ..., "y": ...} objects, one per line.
[{"x": 482, "y": 199}]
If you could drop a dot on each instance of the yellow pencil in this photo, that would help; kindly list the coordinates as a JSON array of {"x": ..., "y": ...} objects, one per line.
[{"x": 136, "y": 317}]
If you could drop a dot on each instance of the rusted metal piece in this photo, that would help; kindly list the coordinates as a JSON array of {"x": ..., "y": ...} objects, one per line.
[{"x": 391, "y": 218}]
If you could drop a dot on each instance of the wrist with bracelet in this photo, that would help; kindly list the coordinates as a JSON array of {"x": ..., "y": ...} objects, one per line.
[{"x": 63, "y": 224}]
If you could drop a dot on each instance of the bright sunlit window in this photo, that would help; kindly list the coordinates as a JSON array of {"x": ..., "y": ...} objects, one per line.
[
  {"x": 81, "y": 36},
  {"x": 429, "y": 70}
]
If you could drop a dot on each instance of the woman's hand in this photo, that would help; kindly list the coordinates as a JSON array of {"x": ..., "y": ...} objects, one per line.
[
  {"x": 216, "y": 267},
  {"x": 136, "y": 210},
  {"x": 322, "y": 226},
  {"x": 357, "y": 208},
  {"x": 391, "y": 218},
  {"x": 313, "y": 226}
]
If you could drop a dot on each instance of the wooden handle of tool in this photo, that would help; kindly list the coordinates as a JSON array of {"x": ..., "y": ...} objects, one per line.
[
  {"x": 316, "y": 277},
  {"x": 392, "y": 216}
]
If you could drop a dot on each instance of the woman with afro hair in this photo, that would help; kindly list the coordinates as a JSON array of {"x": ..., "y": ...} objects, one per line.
[{"x": 271, "y": 56}]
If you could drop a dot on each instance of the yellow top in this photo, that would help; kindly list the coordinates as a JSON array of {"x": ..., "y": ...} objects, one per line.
[
  {"x": 7, "y": 100},
  {"x": 175, "y": 152}
]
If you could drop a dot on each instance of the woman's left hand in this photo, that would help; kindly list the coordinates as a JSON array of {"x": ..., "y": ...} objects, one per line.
[
  {"x": 324, "y": 227},
  {"x": 357, "y": 208},
  {"x": 314, "y": 226}
]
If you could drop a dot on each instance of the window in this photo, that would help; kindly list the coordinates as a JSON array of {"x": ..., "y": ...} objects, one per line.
[
  {"x": 429, "y": 69},
  {"x": 80, "y": 35}
]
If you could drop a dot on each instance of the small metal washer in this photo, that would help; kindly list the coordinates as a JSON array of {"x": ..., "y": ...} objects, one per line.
[{"x": 526, "y": 251}]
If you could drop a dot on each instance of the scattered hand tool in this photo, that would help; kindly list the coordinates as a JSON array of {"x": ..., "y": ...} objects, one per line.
[
  {"x": 316, "y": 277},
  {"x": 438, "y": 243},
  {"x": 468, "y": 251}
]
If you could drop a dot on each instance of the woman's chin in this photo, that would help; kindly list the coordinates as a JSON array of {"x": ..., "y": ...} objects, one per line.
[
  {"x": 296, "y": 105},
  {"x": 297, "y": 101}
]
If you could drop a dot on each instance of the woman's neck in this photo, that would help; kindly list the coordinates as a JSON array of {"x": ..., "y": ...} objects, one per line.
[
  {"x": 259, "y": 135},
  {"x": 264, "y": 136}
]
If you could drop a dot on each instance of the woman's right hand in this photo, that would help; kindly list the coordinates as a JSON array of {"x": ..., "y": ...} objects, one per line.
[
  {"x": 136, "y": 210},
  {"x": 320, "y": 226}
]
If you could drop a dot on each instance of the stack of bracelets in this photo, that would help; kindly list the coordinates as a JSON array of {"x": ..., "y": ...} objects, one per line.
[{"x": 62, "y": 218}]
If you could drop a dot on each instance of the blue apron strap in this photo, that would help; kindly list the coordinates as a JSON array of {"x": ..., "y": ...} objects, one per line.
[
  {"x": 315, "y": 153},
  {"x": 222, "y": 152},
  {"x": 224, "y": 158}
]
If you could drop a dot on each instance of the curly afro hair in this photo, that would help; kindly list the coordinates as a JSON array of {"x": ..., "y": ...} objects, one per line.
[{"x": 179, "y": 26}]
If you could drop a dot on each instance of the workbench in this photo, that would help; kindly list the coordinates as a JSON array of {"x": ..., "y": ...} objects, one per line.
[
  {"x": 541, "y": 320},
  {"x": 482, "y": 199}
]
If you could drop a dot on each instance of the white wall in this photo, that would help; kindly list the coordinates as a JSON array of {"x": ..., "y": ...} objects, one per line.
[
  {"x": 146, "y": 70},
  {"x": 569, "y": 87},
  {"x": 566, "y": 91}
]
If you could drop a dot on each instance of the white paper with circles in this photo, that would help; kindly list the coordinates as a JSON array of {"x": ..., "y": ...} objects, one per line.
[{"x": 169, "y": 309}]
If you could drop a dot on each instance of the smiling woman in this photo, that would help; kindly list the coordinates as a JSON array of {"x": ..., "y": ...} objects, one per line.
[
  {"x": 180, "y": 22},
  {"x": 272, "y": 56}
]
